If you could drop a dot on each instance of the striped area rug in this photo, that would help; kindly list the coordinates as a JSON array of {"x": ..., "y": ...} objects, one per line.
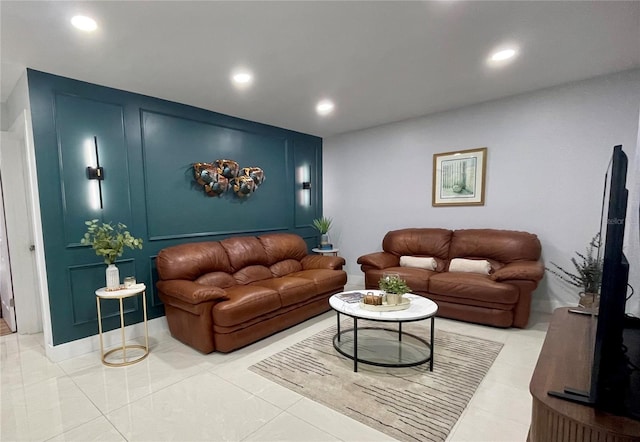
[{"x": 408, "y": 404}]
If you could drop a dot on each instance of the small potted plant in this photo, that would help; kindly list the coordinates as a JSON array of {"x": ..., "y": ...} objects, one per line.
[
  {"x": 394, "y": 287},
  {"x": 588, "y": 275},
  {"x": 109, "y": 242},
  {"x": 323, "y": 225}
]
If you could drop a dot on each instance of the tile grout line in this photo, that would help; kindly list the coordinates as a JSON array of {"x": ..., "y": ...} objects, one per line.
[{"x": 92, "y": 403}]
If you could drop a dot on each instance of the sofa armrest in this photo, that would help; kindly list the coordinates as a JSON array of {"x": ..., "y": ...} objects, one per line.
[
  {"x": 322, "y": 262},
  {"x": 379, "y": 260},
  {"x": 189, "y": 291},
  {"x": 525, "y": 270}
]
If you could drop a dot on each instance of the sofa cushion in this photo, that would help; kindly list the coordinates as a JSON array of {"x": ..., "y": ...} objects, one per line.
[
  {"x": 324, "y": 279},
  {"x": 311, "y": 262},
  {"x": 285, "y": 267},
  {"x": 481, "y": 266},
  {"x": 417, "y": 279},
  {"x": 469, "y": 302},
  {"x": 281, "y": 246},
  {"x": 504, "y": 246},
  {"x": 189, "y": 261},
  {"x": 292, "y": 289},
  {"x": 251, "y": 274},
  {"x": 245, "y": 303},
  {"x": 244, "y": 251},
  {"x": 421, "y": 262},
  {"x": 217, "y": 279},
  {"x": 188, "y": 292},
  {"x": 378, "y": 260},
  {"x": 472, "y": 286},
  {"x": 497, "y": 317},
  {"x": 523, "y": 270},
  {"x": 418, "y": 242}
]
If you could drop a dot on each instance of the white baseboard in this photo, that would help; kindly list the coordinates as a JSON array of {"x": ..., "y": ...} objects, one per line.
[
  {"x": 111, "y": 338},
  {"x": 355, "y": 280},
  {"x": 543, "y": 306}
]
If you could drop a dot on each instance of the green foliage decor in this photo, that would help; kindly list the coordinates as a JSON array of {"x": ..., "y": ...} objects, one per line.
[
  {"x": 109, "y": 241},
  {"x": 393, "y": 284},
  {"x": 588, "y": 274},
  {"x": 322, "y": 224}
]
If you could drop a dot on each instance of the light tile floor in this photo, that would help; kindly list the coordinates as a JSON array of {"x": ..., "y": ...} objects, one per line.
[{"x": 179, "y": 394}]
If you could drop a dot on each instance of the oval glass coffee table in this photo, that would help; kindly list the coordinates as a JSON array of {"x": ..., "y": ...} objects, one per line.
[{"x": 383, "y": 346}]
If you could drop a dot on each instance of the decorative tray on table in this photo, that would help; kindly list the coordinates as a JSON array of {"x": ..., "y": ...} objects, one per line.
[{"x": 406, "y": 302}]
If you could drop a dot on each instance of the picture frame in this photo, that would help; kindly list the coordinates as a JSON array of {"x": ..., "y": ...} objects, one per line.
[{"x": 459, "y": 178}]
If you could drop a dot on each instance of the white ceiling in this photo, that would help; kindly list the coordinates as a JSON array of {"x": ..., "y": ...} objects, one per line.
[{"x": 379, "y": 61}]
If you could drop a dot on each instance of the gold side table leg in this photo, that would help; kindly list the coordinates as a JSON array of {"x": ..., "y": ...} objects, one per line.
[
  {"x": 124, "y": 347},
  {"x": 146, "y": 329},
  {"x": 100, "y": 328},
  {"x": 120, "y": 352}
]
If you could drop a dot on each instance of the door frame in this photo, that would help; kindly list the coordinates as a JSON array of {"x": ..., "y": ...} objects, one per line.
[
  {"x": 32, "y": 306},
  {"x": 6, "y": 283}
]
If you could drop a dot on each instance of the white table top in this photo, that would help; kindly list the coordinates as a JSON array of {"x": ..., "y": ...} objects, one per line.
[
  {"x": 122, "y": 293},
  {"x": 420, "y": 308},
  {"x": 318, "y": 250}
]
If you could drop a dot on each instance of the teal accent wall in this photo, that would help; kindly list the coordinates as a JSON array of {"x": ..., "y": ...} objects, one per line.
[{"x": 147, "y": 147}]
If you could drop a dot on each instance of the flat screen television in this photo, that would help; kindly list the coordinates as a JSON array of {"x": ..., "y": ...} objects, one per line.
[{"x": 615, "y": 379}]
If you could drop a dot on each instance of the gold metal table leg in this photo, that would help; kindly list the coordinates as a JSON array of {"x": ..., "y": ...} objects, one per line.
[
  {"x": 100, "y": 328},
  {"x": 146, "y": 329},
  {"x": 124, "y": 347}
]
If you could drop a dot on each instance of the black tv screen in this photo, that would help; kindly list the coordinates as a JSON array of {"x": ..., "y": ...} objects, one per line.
[
  {"x": 610, "y": 372},
  {"x": 615, "y": 382}
]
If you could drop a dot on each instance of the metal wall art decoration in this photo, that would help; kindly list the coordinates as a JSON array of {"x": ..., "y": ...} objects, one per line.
[
  {"x": 243, "y": 186},
  {"x": 210, "y": 178},
  {"x": 218, "y": 177},
  {"x": 228, "y": 168}
]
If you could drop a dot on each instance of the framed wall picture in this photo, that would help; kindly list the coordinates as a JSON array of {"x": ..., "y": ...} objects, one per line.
[{"x": 458, "y": 178}]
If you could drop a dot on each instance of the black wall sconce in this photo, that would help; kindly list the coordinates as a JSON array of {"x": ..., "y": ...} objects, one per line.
[{"x": 96, "y": 173}]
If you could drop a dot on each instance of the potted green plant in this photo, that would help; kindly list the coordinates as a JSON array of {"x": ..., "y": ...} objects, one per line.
[
  {"x": 588, "y": 274},
  {"x": 323, "y": 225},
  {"x": 109, "y": 242},
  {"x": 394, "y": 287}
]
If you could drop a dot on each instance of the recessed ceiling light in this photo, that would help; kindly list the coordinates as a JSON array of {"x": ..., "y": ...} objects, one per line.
[
  {"x": 504, "y": 54},
  {"x": 84, "y": 23},
  {"x": 325, "y": 107},
  {"x": 242, "y": 78}
]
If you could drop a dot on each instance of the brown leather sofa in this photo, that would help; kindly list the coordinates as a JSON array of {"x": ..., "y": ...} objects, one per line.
[
  {"x": 501, "y": 298},
  {"x": 227, "y": 294}
]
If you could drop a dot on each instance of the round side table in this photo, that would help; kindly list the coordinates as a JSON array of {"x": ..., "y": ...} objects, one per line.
[
  {"x": 137, "y": 289},
  {"x": 328, "y": 252}
]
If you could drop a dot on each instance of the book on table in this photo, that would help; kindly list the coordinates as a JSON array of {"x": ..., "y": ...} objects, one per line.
[{"x": 351, "y": 297}]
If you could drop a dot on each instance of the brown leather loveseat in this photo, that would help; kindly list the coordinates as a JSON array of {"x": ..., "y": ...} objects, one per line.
[
  {"x": 223, "y": 295},
  {"x": 499, "y": 296}
]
